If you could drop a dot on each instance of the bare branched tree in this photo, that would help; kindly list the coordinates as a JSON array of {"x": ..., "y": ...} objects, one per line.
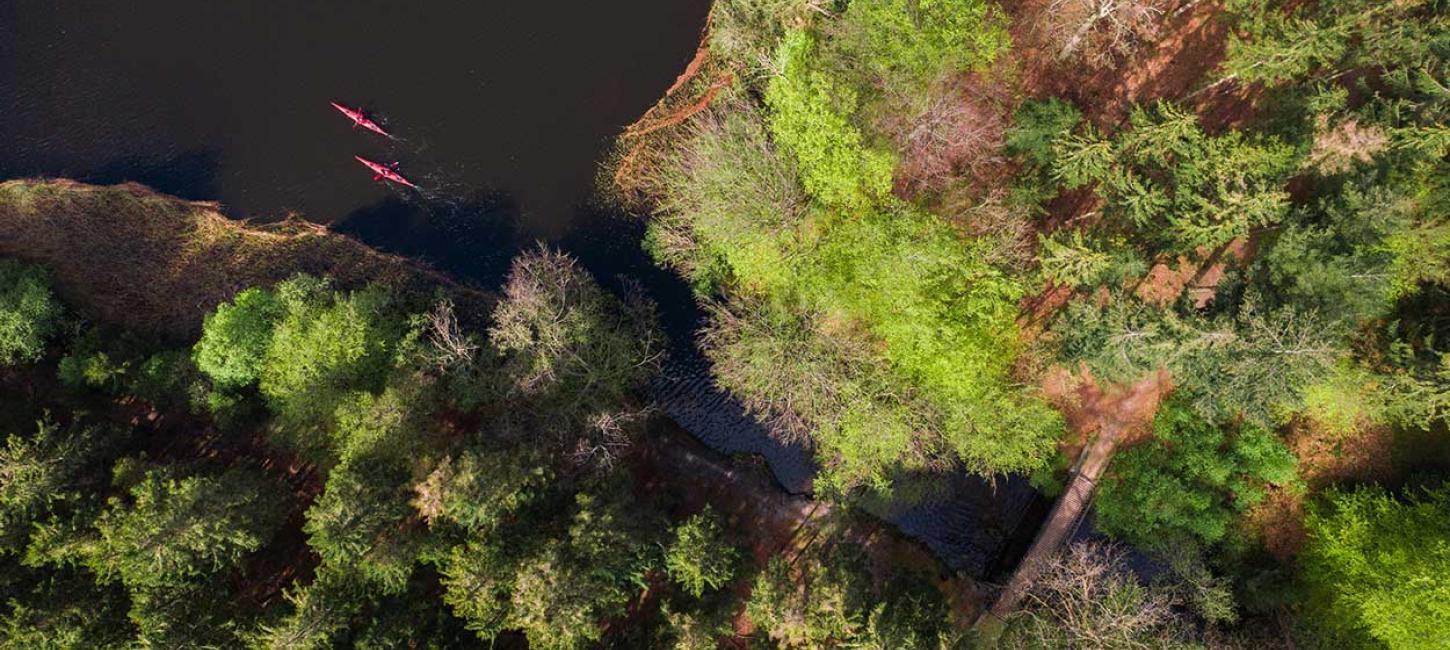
[
  {"x": 1087, "y": 598},
  {"x": 452, "y": 347},
  {"x": 956, "y": 129},
  {"x": 613, "y": 433},
  {"x": 1102, "y": 32}
]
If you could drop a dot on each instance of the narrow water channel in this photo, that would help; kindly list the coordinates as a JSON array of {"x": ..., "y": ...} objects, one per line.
[{"x": 500, "y": 112}]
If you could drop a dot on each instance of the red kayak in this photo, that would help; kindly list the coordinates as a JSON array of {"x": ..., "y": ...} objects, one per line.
[
  {"x": 385, "y": 172},
  {"x": 358, "y": 119}
]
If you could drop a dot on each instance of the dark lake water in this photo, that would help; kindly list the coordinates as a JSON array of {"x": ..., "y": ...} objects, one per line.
[{"x": 501, "y": 112}]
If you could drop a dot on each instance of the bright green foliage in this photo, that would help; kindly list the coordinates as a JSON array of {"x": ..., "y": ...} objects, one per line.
[
  {"x": 810, "y": 113},
  {"x": 174, "y": 532},
  {"x": 1350, "y": 398},
  {"x": 560, "y": 590},
  {"x": 362, "y": 522},
  {"x": 29, "y": 312},
  {"x": 326, "y": 345},
  {"x": 1165, "y": 173},
  {"x": 947, "y": 321},
  {"x": 1191, "y": 480},
  {"x": 1374, "y": 569},
  {"x": 235, "y": 337},
  {"x": 915, "y": 42},
  {"x": 823, "y": 385},
  {"x": 699, "y": 558},
  {"x": 831, "y": 335},
  {"x": 306, "y": 347}
]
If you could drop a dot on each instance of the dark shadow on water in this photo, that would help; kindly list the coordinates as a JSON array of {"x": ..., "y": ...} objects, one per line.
[
  {"x": 191, "y": 175},
  {"x": 474, "y": 237},
  {"x": 609, "y": 245},
  {"x": 970, "y": 523}
]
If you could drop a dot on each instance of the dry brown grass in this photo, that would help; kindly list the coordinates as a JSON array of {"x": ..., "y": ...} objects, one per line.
[{"x": 155, "y": 264}]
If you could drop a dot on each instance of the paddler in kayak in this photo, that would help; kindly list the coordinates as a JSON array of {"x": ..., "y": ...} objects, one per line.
[
  {"x": 358, "y": 119},
  {"x": 385, "y": 172}
]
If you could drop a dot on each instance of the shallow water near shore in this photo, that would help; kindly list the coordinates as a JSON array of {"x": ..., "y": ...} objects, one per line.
[{"x": 501, "y": 112}]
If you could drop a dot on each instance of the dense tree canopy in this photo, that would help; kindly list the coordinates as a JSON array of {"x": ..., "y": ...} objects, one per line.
[
  {"x": 1190, "y": 481},
  {"x": 1375, "y": 567}
]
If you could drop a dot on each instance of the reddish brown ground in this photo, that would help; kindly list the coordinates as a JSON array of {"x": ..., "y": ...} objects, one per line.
[
  {"x": 1365, "y": 455},
  {"x": 1178, "y": 66},
  {"x": 1090, "y": 408}
]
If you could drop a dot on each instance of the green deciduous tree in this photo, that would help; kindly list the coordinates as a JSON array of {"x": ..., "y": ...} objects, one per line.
[
  {"x": 810, "y": 113},
  {"x": 235, "y": 337},
  {"x": 1374, "y": 569},
  {"x": 915, "y": 42},
  {"x": 729, "y": 195},
  {"x": 307, "y": 348},
  {"x": 326, "y": 345},
  {"x": 29, "y": 312}
]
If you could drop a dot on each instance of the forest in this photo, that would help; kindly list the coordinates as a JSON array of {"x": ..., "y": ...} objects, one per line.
[{"x": 1202, "y": 248}]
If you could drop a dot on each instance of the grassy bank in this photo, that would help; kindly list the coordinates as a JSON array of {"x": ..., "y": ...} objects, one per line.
[{"x": 155, "y": 264}]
